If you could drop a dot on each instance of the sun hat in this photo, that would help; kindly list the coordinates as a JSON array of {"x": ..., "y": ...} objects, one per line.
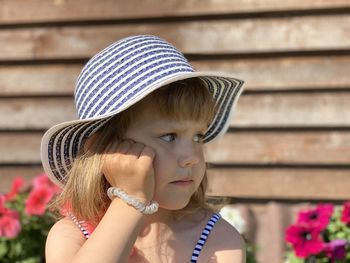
[{"x": 118, "y": 77}]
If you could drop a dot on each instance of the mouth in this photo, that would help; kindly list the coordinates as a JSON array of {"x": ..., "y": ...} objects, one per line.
[{"x": 183, "y": 182}]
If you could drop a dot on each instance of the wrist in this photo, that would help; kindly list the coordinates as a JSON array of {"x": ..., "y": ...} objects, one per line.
[
  {"x": 118, "y": 207},
  {"x": 140, "y": 205},
  {"x": 143, "y": 197}
]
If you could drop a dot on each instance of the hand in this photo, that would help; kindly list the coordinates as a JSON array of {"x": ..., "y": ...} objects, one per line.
[{"x": 129, "y": 166}]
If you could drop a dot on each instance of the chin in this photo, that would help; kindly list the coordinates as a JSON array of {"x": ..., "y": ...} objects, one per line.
[{"x": 174, "y": 205}]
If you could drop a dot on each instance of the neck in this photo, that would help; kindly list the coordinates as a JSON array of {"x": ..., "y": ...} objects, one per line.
[
  {"x": 162, "y": 216},
  {"x": 165, "y": 219},
  {"x": 154, "y": 226}
]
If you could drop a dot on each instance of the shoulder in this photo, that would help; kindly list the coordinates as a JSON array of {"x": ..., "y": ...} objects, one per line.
[
  {"x": 225, "y": 244},
  {"x": 63, "y": 241}
]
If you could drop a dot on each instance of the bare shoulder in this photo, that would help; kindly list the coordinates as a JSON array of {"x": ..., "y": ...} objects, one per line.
[
  {"x": 225, "y": 244},
  {"x": 63, "y": 241}
]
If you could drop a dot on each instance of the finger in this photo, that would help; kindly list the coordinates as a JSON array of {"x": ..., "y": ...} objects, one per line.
[
  {"x": 136, "y": 149},
  {"x": 124, "y": 146},
  {"x": 113, "y": 146},
  {"x": 147, "y": 155}
]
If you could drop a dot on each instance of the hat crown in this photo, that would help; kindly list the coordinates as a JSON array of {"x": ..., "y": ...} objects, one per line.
[{"x": 123, "y": 71}]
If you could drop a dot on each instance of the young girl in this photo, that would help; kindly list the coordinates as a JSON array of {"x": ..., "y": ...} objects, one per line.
[{"x": 132, "y": 167}]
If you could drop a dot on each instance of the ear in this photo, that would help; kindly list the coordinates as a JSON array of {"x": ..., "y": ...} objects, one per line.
[{"x": 90, "y": 141}]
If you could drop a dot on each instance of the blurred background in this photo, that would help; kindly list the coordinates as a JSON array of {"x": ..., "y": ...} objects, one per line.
[{"x": 289, "y": 141}]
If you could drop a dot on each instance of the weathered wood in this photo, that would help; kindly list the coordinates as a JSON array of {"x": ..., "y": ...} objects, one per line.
[
  {"x": 293, "y": 109},
  {"x": 35, "y": 113},
  {"x": 7, "y": 174},
  {"x": 323, "y": 72},
  {"x": 17, "y": 11},
  {"x": 20, "y": 148},
  {"x": 254, "y": 110},
  {"x": 281, "y": 147},
  {"x": 38, "y": 79},
  {"x": 234, "y": 148},
  {"x": 197, "y": 37},
  {"x": 295, "y": 184},
  {"x": 285, "y": 72}
]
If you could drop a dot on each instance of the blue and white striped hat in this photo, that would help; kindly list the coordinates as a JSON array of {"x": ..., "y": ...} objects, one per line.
[{"x": 118, "y": 77}]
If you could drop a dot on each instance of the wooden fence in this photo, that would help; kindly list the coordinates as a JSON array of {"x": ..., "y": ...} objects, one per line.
[{"x": 289, "y": 141}]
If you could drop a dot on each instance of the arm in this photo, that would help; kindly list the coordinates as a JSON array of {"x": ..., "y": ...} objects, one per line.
[
  {"x": 130, "y": 164},
  {"x": 110, "y": 242}
]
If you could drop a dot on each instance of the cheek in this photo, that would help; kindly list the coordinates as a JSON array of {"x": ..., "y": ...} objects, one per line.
[
  {"x": 164, "y": 161},
  {"x": 201, "y": 164},
  {"x": 165, "y": 164},
  {"x": 200, "y": 169}
]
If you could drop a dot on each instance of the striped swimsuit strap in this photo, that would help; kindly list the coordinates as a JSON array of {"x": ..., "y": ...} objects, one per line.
[
  {"x": 203, "y": 238},
  {"x": 83, "y": 226}
]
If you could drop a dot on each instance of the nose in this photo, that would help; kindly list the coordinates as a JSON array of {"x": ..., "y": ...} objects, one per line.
[{"x": 189, "y": 156}]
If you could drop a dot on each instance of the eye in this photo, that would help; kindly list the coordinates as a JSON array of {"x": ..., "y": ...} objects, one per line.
[
  {"x": 168, "y": 137},
  {"x": 198, "y": 138}
]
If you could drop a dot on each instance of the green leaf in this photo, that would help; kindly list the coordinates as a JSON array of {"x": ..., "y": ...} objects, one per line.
[
  {"x": 30, "y": 260},
  {"x": 3, "y": 248},
  {"x": 291, "y": 258}
]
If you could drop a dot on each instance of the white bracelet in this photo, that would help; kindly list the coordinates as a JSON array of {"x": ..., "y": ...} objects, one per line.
[{"x": 133, "y": 201}]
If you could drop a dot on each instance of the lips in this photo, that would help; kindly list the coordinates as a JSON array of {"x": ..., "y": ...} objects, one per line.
[{"x": 183, "y": 180}]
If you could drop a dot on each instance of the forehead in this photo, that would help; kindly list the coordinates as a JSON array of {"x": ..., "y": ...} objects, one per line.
[
  {"x": 151, "y": 117},
  {"x": 174, "y": 106}
]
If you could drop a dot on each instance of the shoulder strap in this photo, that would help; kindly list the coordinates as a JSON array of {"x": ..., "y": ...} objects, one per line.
[
  {"x": 82, "y": 225},
  {"x": 203, "y": 238}
]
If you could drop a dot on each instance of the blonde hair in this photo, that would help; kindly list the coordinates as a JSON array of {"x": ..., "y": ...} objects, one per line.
[{"x": 187, "y": 99}]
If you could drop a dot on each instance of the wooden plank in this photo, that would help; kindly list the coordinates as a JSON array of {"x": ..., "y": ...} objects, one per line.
[
  {"x": 322, "y": 148},
  {"x": 287, "y": 147},
  {"x": 38, "y": 79},
  {"x": 8, "y": 173},
  {"x": 253, "y": 110},
  {"x": 35, "y": 113},
  {"x": 17, "y": 11},
  {"x": 197, "y": 37},
  {"x": 322, "y": 72},
  {"x": 20, "y": 148},
  {"x": 293, "y": 110},
  {"x": 266, "y": 225},
  {"x": 290, "y": 184}
]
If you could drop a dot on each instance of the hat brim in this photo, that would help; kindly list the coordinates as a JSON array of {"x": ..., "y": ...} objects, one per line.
[{"x": 61, "y": 143}]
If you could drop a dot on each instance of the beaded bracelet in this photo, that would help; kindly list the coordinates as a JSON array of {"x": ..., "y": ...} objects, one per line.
[{"x": 133, "y": 201}]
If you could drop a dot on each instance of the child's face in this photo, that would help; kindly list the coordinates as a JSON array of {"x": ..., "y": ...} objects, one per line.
[{"x": 179, "y": 155}]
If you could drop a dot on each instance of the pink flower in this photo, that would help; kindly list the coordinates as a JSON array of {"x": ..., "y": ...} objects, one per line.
[
  {"x": 345, "y": 215},
  {"x": 318, "y": 217},
  {"x": 305, "y": 239},
  {"x": 43, "y": 181},
  {"x": 37, "y": 200},
  {"x": 16, "y": 187},
  {"x": 336, "y": 249},
  {"x": 10, "y": 225},
  {"x": 42, "y": 192}
]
